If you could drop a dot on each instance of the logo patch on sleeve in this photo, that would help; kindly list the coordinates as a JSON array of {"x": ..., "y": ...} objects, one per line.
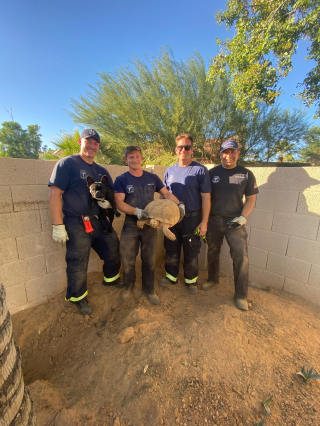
[{"x": 170, "y": 178}]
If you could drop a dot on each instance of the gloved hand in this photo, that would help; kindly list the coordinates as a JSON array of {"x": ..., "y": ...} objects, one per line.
[
  {"x": 182, "y": 210},
  {"x": 241, "y": 220},
  {"x": 59, "y": 233},
  {"x": 141, "y": 214},
  {"x": 104, "y": 204}
]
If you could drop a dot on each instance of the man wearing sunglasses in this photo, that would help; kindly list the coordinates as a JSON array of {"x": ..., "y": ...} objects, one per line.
[
  {"x": 189, "y": 181},
  {"x": 228, "y": 216}
]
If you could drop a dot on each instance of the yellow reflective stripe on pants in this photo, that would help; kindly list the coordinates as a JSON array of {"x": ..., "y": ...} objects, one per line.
[
  {"x": 77, "y": 299},
  {"x": 191, "y": 281},
  {"x": 109, "y": 280},
  {"x": 171, "y": 277}
]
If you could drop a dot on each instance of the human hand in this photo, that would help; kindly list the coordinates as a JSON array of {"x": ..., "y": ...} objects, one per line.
[
  {"x": 141, "y": 214},
  {"x": 182, "y": 210},
  {"x": 203, "y": 229},
  {"x": 104, "y": 204},
  {"x": 241, "y": 220},
  {"x": 59, "y": 233}
]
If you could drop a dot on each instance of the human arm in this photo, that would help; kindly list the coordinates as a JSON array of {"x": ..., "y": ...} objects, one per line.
[
  {"x": 59, "y": 232},
  {"x": 206, "y": 206},
  {"x": 121, "y": 205},
  {"x": 164, "y": 193},
  {"x": 248, "y": 206}
]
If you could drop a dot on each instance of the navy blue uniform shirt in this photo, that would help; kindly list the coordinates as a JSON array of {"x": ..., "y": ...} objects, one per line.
[
  {"x": 228, "y": 188},
  {"x": 139, "y": 191},
  {"x": 186, "y": 183},
  {"x": 70, "y": 175}
]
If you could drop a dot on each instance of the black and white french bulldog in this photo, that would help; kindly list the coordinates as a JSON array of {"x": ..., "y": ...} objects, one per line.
[{"x": 101, "y": 191}]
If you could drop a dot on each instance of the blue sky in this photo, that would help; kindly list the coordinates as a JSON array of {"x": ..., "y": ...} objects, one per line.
[{"x": 51, "y": 50}]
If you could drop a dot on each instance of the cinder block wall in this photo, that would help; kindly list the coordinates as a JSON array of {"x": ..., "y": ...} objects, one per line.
[{"x": 284, "y": 236}]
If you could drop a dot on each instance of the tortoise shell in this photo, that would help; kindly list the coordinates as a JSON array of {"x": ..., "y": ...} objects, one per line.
[{"x": 166, "y": 211}]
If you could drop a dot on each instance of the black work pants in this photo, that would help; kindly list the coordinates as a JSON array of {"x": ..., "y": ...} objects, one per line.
[
  {"x": 131, "y": 238},
  {"x": 78, "y": 251},
  {"x": 237, "y": 241},
  {"x": 191, "y": 248}
]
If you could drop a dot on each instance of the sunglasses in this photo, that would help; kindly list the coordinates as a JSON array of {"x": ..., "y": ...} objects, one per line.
[{"x": 186, "y": 147}]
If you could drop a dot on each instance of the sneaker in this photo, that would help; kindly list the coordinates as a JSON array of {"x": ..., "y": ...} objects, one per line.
[
  {"x": 153, "y": 299},
  {"x": 126, "y": 294},
  {"x": 118, "y": 283},
  {"x": 208, "y": 284},
  {"x": 242, "y": 304},
  {"x": 165, "y": 282},
  {"x": 84, "y": 307},
  {"x": 192, "y": 288}
]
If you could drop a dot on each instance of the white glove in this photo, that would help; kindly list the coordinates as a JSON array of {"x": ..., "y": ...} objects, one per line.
[
  {"x": 59, "y": 233},
  {"x": 141, "y": 214},
  {"x": 182, "y": 210},
  {"x": 104, "y": 204},
  {"x": 241, "y": 220}
]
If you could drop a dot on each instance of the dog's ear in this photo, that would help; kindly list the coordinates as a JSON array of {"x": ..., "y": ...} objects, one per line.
[
  {"x": 90, "y": 181},
  {"x": 104, "y": 180}
]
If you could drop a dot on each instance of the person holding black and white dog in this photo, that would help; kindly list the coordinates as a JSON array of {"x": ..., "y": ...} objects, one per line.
[{"x": 228, "y": 216}]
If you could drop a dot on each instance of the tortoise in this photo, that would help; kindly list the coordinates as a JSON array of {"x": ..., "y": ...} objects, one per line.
[{"x": 162, "y": 214}]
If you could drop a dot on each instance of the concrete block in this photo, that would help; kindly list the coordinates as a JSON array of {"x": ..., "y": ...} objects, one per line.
[
  {"x": 93, "y": 255},
  {"x": 226, "y": 265},
  {"x": 303, "y": 290},
  {"x": 261, "y": 219},
  {"x": 118, "y": 225},
  {"x": 43, "y": 170},
  {"x": 158, "y": 170},
  {"x": 46, "y": 220},
  {"x": 117, "y": 171},
  {"x": 269, "y": 241},
  {"x": 307, "y": 250},
  {"x": 300, "y": 178},
  {"x": 28, "y": 305},
  {"x": 288, "y": 267},
  {"x": 225, "y": 249},
  {"x": 296, "y": 224},
  {"x": 56, "y": 261},
  {"x": 203, "y": 260},
  {"x": 17, "y": 171},
  {"x": 19, "y": 223},
  {"x": 32, "y": 197},
  {"x": 318, "y": 235},
  {"x": 265, "y": 279},
  {"x": 257, "y": 257},
  {"x": 8, "y": 251},
  {"x": 277, "y": 200},
  {"x": 46, "y": 286},
  {"x": 36, "y": 244},
  {"x": 6, "y": 203},
  {"x": 93, "y": 266},
  {"x": 23, "y": 270},
  {"x": 309, "y": 203},
  {"x": 267, "y": 177},
  {"x": 101, "y": 263},
  {"x": 314, "y": 278},
  {"x": 16, "y": 296}
]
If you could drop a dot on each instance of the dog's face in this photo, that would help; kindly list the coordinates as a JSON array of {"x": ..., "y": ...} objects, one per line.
[{"x": 98, "y": 190}]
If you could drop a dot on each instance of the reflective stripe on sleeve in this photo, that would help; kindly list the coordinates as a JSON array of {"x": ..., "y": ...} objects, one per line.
[
  {"x": 191, "y": 281},
  {"x": 76, "y": 299},
  {"x": 109, "y": 280},
  {"x": 171, "y": 277}
]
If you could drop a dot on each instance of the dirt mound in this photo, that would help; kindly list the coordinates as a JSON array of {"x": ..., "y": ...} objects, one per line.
[{"x": 192, "y": 360}]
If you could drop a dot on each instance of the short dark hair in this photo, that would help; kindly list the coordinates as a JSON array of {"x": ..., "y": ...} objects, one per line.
[
  {"x": 131, "y": 148},
  {"x": 184, "y": 136}
]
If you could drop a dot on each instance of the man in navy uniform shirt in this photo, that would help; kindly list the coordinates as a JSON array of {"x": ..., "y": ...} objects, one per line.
[
  {"x": 69, "y": 180},
  {"x": 228, "y": 216},
  {"x": 189, "y": 181},
  {"x": 133, "y": 191}
]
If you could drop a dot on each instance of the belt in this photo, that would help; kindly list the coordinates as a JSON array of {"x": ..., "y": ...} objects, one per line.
[{"x": 191, "y": 214}]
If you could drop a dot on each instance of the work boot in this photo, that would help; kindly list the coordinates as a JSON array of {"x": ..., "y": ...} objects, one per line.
[
  {"x": 208, "y": 284},
  {"x": 126, "y": 294},
  {"x": 242, "y": 304},
  {"x": 153, "y": 299},
  {"x": 165, "y": 282},
  {"x": 84, "y": 307},
  {"x": 118, "y": 283},
  {"x": 192, "y": 288}
]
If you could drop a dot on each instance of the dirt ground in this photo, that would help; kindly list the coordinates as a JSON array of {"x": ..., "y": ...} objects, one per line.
[{"x": 193, "y": 360}]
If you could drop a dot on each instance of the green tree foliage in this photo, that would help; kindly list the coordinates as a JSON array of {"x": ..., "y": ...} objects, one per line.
[
  {"x": 149, "y": 104},
  {"x": 259, "y": 54},
  {"x": 311, "y": 152},
  {"x": 16, "y": 142}
]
